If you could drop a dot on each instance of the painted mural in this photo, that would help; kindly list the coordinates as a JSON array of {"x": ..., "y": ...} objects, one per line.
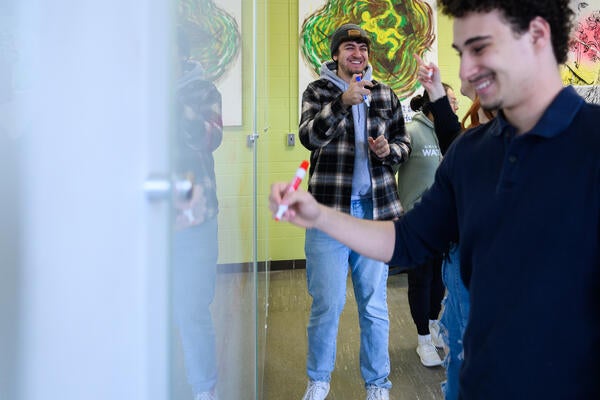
[
  {"x": 398, "y": 30},
  {"x": 214, "y": 30},
  {"x": 583, "y": 65}
]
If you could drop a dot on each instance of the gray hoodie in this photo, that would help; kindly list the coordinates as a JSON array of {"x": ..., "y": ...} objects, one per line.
[{"x": 418, "y": 172}]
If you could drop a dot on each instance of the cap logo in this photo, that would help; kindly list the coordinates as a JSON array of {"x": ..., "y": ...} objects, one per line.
[{"x": 354, "y": 32}]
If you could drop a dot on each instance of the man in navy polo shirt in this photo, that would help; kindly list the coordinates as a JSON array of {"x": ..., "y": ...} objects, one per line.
[{"x": 523, "y": 195}]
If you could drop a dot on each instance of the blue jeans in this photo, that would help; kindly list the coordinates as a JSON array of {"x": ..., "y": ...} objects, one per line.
[
  {"x": 327, "y": 263},
  {"x": 194, "y": 263},
  {"x": 453, "y": 321}
]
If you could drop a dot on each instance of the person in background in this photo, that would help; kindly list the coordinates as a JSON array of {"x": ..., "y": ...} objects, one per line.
[
  {"x": 454, "y": 318},
  {"x": 456, "y": 302},
  {"x": 475, "y": 115},
  {"x": 354, "y": 129},
  {"x": 529, "y": 225},
  {"x": 199, "y": 132},
  {"x": 425, "y": 286}
]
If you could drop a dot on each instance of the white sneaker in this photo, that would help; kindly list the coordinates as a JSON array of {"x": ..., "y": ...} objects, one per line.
[
  {"x": 436, "y": 336},
  {"x": 316, "y": 390},
  {"x": 206, "y": 396},
  {"x": 429, "y": 355},
  {"x": 377, "y": 393}
]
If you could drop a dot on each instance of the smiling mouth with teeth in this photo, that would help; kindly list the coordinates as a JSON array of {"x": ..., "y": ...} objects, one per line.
[{"x": 483, "y": 85}]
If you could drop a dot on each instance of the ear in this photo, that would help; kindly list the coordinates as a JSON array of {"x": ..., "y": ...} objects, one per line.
[{"x": 540, "y": 32}]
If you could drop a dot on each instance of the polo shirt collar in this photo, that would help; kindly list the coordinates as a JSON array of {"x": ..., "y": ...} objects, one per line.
[{"x": 557, "y": 117}]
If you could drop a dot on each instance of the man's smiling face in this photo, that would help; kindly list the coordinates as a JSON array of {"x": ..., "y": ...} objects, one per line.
[
  {"x": 352, "y": 58},
  {"x": 497, "y": 61}
]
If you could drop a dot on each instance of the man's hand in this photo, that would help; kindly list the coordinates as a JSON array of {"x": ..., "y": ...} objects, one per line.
[
  {"x": 430, "y": 77},
  {"x": 356, "y": 92},
  {"x": 373, "y": 239},
  {"x": 191, "y": 212},
  {"x": 379, "y": 146},
  {"x": 303, "y": 210}
]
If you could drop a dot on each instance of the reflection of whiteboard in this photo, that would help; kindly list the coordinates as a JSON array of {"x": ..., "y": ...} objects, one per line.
[{"x": 230, "y": 85}]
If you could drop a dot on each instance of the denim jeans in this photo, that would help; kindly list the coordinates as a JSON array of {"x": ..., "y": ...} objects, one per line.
[
  {"x": 327, "y": 263},
  {"x": 453, "y": 321},
  {"x": 194, "y": 263}
]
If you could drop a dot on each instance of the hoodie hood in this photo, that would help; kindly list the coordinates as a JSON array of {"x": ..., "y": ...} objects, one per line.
[
  {"x": 419, "y": 117},
  {"x": 328, "y": 71}
]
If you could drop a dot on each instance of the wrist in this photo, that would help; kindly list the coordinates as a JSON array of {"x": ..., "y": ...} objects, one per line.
[
  {"x": 436, "y": 92},
  {"x": 343, "y": 101},
  {"x": 320, "y": 221}
]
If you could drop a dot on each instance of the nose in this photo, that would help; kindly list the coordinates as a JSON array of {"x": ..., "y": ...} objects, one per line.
[
  {"x": 466, "y": 67},
  {"x": 454, "y": 104}
]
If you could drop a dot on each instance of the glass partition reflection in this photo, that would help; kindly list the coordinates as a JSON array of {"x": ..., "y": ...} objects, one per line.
[
  {"x": 84, "y": 112},
  {"x": 214, "y": 285}
]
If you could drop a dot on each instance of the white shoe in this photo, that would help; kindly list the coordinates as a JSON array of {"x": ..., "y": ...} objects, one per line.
[
  {"x": 429, "y": 355},
  {"x": 436, "y": 336},
  {"x": 377, "y": 393},
  {"x": 206, "y": 396},
  {"x": 316, "y": 390}
]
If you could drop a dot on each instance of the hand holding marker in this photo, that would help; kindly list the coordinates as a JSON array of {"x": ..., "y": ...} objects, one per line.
[
  {"x": 300, "y": 173},
  {"x": 365, "y": 97}
]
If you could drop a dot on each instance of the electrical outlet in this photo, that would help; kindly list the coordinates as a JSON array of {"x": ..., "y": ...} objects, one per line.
[{"x": 291, "y": 139}]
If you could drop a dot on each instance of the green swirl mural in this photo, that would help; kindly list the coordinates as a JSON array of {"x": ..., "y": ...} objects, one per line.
[
  {"x": 214, "y": 35},
  {"x": 398, "y": 29}
]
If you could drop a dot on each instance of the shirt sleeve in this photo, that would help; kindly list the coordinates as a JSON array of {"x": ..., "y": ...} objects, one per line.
[
  {"x": 446, "y": 124},
  {"x": 398, "y": 137},
  {"x": 431, "y": 225},
  {"x": 322, "y": 120}
]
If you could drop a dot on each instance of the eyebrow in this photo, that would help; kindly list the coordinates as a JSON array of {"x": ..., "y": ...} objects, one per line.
[
  {"x": 353, "y": 43},
  {"x": 471, "y": 41}
]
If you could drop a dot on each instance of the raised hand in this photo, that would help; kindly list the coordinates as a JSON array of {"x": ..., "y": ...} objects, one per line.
[
  {"x": 357, "y": 91},
  {"x": 431, "y": 79}
]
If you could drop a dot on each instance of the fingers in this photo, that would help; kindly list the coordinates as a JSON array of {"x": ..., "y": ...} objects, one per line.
[
  {"x": 278, "y": 190},
  {"x": 421, "y": 64},
  {"x": 282, "y": 200},
  {"x": 356, "y": 92},
  {"x": 379, "y": 146},
  {"x": 419, "y": 59},
  {"x": 426, "y": 72},
  {"x": 299, "y": 206}
]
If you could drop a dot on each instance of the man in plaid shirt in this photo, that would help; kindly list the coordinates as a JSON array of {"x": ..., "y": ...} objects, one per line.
[{"x": 354, "y": 128}]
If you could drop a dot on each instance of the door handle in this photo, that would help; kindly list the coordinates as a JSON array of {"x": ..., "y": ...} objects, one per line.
[{"x": 157, "y": 187}]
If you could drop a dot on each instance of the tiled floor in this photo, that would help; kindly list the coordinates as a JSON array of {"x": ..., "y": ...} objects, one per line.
[{"x": 285, "y": 377}]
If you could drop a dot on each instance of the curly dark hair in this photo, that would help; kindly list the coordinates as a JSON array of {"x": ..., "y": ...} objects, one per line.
[{"x": 519, "y": 14}]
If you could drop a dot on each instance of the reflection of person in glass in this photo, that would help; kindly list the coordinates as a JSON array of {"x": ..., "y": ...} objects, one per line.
[{"x": 195, "y": 248}]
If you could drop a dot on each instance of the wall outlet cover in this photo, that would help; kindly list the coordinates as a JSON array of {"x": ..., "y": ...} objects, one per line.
[{"x": 291, "y": 139}]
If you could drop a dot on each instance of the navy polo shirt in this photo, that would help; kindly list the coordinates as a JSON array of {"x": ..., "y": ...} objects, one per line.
[{"x": 527, "y": 211}]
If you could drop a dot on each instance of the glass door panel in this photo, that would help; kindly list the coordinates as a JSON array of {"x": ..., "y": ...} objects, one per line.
[
  {"x": 215, "y": 287},
  {"x": 109, "y": 295}
]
